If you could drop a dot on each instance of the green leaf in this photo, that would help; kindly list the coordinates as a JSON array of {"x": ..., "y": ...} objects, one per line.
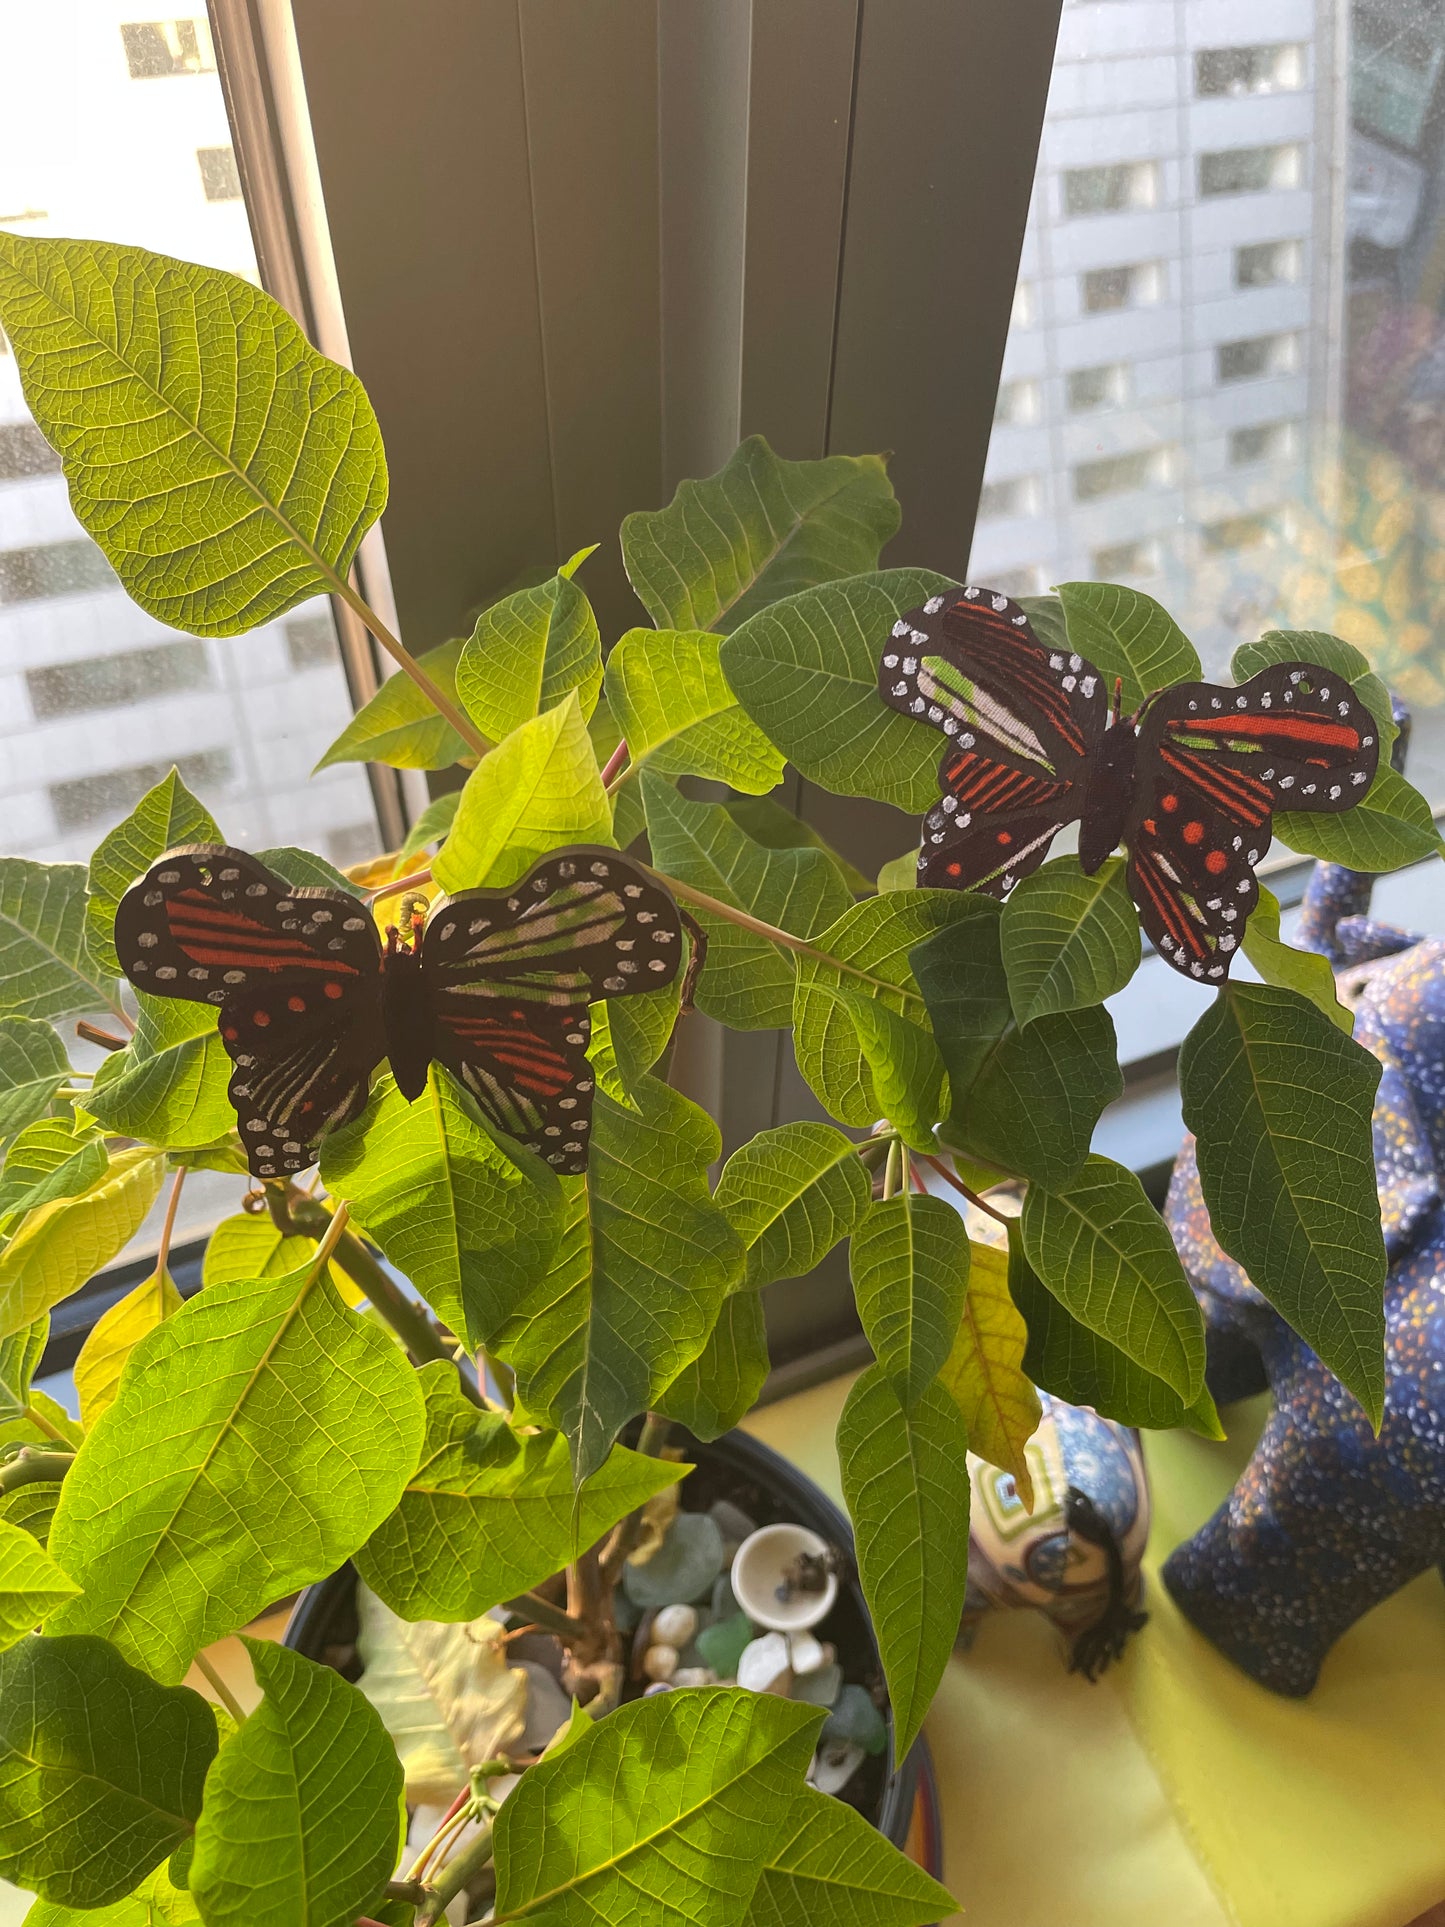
[
  {"x": 538, "y": 789},
  {"x": 832, "y": 1869},
  {"x": 792, "y": 1194},
  {"x": 1103, "y": 1251},
  {"x": 645, "y": 1262},
  {"x": 766, "y": 821},
  {"x": 1330, "y": 652},
  {"x": 909, "y": 1506},
  {"x": 115, "y": 1335},
  {"x": 45, "y": 968},
  {"x": 402, "y": 727},
  {"x": 1126, "y": 634},
  {"x": 164, "y": 818},
  {"x": 169, "y": 1084},
  {"x": 67, "y": 1241},
  {"x": 909, "y": 1263},
  {"x": 304, "y": 870},
  {"x": 472, "y": 1221},
  {"x": 490, "y": 1512},
  {"x": 1392, "y": 827},
  {"x": 628, "y": 1036},
  {"x": 868, "y": 951},
  {"x": 527, "y": 654},
  {"x": 31, "y": 1584},
  {"x": 984, "y": 1371},
  {"x": 53, "y": 1158},
  {"x": 759, "y": 529},
  {"x": 101, "y": 1770},
  {"x": 899, "y": 873},
  {"x": 906, "y": 1067},
  {"x": 249, "y": 1246},
  {"x": 747, "y": 982},
  {"x": 258, "y": 1437},
  {"x": 673, "y": 704},
  {"x": 1046, "y": 615},
  {"x": 434, "y": 823},
  {"x": 1025, "y": 1098},
  {"x": 1280, "y": 1103},
  {"x": 721, "y": 1385},
  {"x": 1279, "y": 963},
  {"x": 33, "y": 1066},
  {"x": 303, "y": 1815},
  {"x": 1078, "y": 1366},
  {"x": 665, "y": 1813},
  {"x": 1068, "y": 940},
  {"x": 806, "y": 671},
  {"x": 20, "y": 1356},
  {"x": 155, "y": 1903},
  {"x": 227, "y": 470}
]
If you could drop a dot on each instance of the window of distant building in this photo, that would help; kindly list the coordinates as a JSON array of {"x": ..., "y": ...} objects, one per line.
[
  {"x": 1017, "y": 582},
  {"x": 1019, "y": 403},
  {"x": 311, "y": 642},
  {"x": 1260, "y": 355},
  {"x": 1251, "y": 170},
  {"x": 1091, "y": 388},
  {"x": 1109, "y": 190},
  {"x": 219, "y": 176},
  {"x": 1249, "y": 70},
  {"x": 1126, "y": 560},
  {"x": 24, "y": 452},
  {"x": 1104, "y": 289},
  {"x": 58, "y": 568},
  {"x": 156, "y": 48},
  {"x": 1265, "y": 442},
  {"x": 106, "y": 682},
  {"x": 1268, "y": 264},
  {"x": 1237, "y": 532},
  {"x": 1018, "y": 495},
  {"x": 1025, "y": 307},
  {"x": 1121, "y": 474},
  {"x": 87, "y": 799}
]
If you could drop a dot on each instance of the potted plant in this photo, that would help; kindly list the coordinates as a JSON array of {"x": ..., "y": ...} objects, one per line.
[{"x": 252, "y": 1441}]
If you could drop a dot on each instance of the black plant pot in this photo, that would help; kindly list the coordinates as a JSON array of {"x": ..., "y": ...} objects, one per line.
[{"x": 768, "y": 1489}]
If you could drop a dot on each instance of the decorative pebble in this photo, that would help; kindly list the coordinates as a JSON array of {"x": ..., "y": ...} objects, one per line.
[
  {"x": 856, "y": 1719},
  {"x": 724, "y": 1599},
  {"x": 660, "y": 1662},
  {"x": 674, "y": 1626},
  {"x": 733, "y": 1523},
  {"x": 834, "y": 1764},
  {"x": 548, "y": 1707},
  {"x": 694, "y": 1676},
  {"x": 683, "y": 1567},
  {"x": 657, "y": 1686},
  {"x": 806, "y": 1653},
  {"x": 821, "y": 1688},
  {"x": 763, "y": 1665},
  {"x": 722, "y": 1644}
]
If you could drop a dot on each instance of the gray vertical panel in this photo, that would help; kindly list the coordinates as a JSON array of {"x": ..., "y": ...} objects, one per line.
[
  {"x": 421, "y": 141},
  {"x": 950, "y": 103},
  {"x": 591, "y": 81}
]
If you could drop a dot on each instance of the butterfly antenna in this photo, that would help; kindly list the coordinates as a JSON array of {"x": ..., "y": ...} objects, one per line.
[{"x": 698, "y": 939}]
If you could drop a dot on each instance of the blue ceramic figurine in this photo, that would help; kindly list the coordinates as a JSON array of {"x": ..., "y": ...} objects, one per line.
[{"x": 1327, "y": 1520}]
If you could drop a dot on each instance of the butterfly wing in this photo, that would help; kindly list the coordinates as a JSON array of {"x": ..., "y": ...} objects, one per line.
[
  {"x": 1213, "y": 765},
  {"x": 296, "y": 973},
  {"x": 510, "y": 974},
  {"x": 1022, "y": 718}
]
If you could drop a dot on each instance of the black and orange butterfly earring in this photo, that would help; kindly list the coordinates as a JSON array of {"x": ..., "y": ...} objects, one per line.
[
  {"x": 1188, "y": 784},
  {"x": 495, "y": 986}
]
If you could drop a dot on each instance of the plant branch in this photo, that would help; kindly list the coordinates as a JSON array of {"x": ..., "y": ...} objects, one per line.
[
  {"x": 219, "y": 1687},
  {"x": 163, "y": 1249},
  {"x": 42, "y": 1424},
  {"x": 457, "y": 1874},
  {"x": 531, "y": 1605},
  {"x": 31, "y": 1466},
  {"x": 612, "y": 770},
  {"x": 952, "y": 1177},
  {"x": 652, "y": 1441},
  {"x": 404, "y": 660},
  {"x": 411, "y": 1890},
  {"x": 413, "y": 882}
]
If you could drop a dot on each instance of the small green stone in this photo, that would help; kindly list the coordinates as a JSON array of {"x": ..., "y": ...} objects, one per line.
[
  {"x": 856, "y": 1718},
  {"x": 682, "y": 1569},
  {"x": 821, "y": 1688},
  {"x": 721, "y": 1644}
]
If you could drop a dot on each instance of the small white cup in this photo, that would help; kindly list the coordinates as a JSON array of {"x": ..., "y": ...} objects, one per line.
[{"x": 759, "y": 1568}]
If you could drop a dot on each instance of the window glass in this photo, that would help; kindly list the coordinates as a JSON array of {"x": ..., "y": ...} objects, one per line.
[
  {"x": 1234, "y": 326},
  {"x": 115, "y": 127}
]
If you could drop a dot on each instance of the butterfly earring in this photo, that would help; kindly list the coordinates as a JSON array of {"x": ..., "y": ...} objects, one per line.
[
  {"x": 1188, "y": 784},
  {"x": 495, "y": 987}
]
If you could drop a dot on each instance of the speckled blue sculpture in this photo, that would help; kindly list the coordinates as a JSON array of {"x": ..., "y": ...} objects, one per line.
[{"x": 1327, "y": 1520}]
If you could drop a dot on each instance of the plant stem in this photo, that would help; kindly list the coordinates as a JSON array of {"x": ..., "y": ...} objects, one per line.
[
  {"x": 457, "y": 1874},
  {"x": 890, "y": 1170},
  {"x": 413, "y": 1890},
  {"x": 952, "y": 1177},
  {"x": 42, "y": 1424},
  {"x": 31, "y": 1466},
  {"x": 413, "y": 882},
  {"x": 652, "y": 1441},
  {"x": 219, "y": 1687},
  {"x": 163, "y": 1249},
  {"x": 403, "y": 658},
  {"x": 612, "y": 777},
  {"x": 533, "y": 1606}
]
